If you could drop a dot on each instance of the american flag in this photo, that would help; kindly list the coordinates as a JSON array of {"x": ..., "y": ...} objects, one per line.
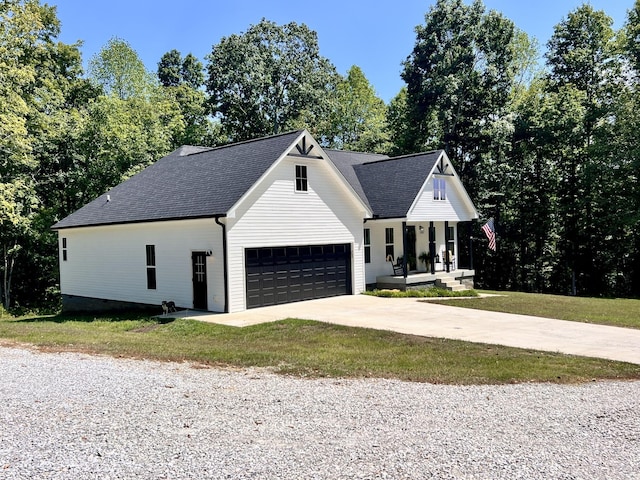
[{"x": 490, "y": 231}]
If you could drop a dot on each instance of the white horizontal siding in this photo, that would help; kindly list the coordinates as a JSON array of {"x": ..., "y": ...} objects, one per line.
[
  {"x": 276, "y": 215},
  {"x": 379, "y": 266},
  {"x": 109, "y": 262},
  {"x": 451, "y": 209}
]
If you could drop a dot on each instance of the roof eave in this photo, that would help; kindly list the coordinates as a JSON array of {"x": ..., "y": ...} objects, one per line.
[{"x": 131, "y": 222}]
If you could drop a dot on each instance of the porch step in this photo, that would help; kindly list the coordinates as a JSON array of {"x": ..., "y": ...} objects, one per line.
[{"x": 450, "y": 283}]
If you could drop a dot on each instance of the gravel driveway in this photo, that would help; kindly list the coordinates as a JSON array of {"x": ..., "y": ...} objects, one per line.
[{"x": 71, "y": 416}]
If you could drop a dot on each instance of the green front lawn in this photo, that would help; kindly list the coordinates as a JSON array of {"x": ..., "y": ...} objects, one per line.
[
  {"x": 307, "y": 348},
  {"x": 619, "y": 312}
]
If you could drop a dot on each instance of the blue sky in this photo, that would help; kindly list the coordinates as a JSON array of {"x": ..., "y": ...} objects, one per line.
[{"x": 375, "y": 35}]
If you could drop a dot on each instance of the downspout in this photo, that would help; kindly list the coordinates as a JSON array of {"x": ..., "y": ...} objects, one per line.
[{"x": 224, "y": 262}]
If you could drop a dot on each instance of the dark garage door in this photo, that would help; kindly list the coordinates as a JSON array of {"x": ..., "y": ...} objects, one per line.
[{"x": 291, "y": 274}]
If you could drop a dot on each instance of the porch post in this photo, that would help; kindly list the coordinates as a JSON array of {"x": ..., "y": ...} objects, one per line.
[
  {"x": 447, "y": 260},
  {"x": 432, "y": 247},
  {"x": 404, "y": 248}
]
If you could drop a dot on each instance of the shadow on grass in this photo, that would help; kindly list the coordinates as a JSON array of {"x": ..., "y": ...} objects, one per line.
[{"x": 151, "y": 315}]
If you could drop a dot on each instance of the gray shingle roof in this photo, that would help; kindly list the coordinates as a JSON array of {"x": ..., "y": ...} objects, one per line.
[
  {"x": 192, "y": 182},
  {"x": 200, "y": 182},
  {"x": 345, "y": 161},
  {"x": 389, "y": 185}
]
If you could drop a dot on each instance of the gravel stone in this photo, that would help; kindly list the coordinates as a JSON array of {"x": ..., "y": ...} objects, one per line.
[{"x": 74, "y": 416}]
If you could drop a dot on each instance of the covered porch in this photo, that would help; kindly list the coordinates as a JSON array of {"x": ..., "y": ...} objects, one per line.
[{"x": 425, "y": 253}]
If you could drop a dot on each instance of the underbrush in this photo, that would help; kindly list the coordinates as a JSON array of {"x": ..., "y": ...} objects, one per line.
[{"x": 422, "y": 293}]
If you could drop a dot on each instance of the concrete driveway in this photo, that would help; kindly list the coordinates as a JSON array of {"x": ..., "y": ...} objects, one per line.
[{"x": 408, "y": 315}]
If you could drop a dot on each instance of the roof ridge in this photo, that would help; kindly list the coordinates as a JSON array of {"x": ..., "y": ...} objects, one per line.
[
  {"x": 244, "y": 142},
  {"x": 355, "y": 151},
  {"x": 403, "y": 156}
]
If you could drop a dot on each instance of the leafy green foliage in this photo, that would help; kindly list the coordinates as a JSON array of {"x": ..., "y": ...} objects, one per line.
[
  {"x": 269, "y": 79},
  {"x": 358, "y": 120},
  {"x": 119, "y": 70},
  {"x": 422, "y": 293},
  {"x": 182, "y": 79}
]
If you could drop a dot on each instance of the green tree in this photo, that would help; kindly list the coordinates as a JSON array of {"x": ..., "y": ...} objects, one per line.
[
  {"x": 268, "y": 80},
  {"x": 192, "y": 72},
  {"x": 584, "y": 70},
  {"x": 119, "y": 70},
  {"x": 38, "y": 80},
  {"x": 625, "y": 142},
  {"x": 170, "y": 69},
  {"x": 182, "y": 79},
  {"x": 121, "y": 137},
  {"x": 400, "y": 127},
  {"x": 460, "y": 84},
  {"x": 358, "y": 121},
  {"x": 459, "y": 79}
]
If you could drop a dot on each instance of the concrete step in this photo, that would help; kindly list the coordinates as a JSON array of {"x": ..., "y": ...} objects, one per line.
[{"x": 450, "y": 284}]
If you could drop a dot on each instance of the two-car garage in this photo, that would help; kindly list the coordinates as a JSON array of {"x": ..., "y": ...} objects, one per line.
[{"x": 276, "y": 275}]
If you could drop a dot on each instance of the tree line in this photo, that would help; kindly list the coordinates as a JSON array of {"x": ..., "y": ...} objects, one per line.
[{"x": 547, "y": 146}]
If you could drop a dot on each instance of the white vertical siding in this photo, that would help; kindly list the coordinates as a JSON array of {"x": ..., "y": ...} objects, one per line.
[
  {"x": 109, "y": 262},
  {"x": 276, "y": 215},
  {"x": 451, "y": 209}
]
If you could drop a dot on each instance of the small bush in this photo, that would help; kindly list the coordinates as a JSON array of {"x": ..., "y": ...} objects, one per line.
[{"x": 422, "y": 293}]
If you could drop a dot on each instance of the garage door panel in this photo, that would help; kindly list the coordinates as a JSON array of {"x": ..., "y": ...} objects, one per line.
[{"x": 277, "y": 275}]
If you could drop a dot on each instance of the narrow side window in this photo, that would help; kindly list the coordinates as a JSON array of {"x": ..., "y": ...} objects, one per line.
[
  {"x": 151, "y": 267},
  {"x": 388, "y": 240},
  {"x": 367, "y": 245},
  {"x": 64, "y": 249}
]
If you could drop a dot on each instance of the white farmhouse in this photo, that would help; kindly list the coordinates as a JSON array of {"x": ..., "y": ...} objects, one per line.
[{"x": 263, "y": 222}]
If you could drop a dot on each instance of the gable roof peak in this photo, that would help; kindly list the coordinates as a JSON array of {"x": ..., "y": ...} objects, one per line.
[{"x": 186, "y": 150}]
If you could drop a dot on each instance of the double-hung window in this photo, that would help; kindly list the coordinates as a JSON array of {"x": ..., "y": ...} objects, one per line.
[
  {"x": 388, "y": 241},
  {"x": 439, "y": 189},
  {"x": 64, "y": 249},
  {"x": 301, "y": 178},
  {"x": 151, "y": 267},
  {"x": 367, "y": 245}
]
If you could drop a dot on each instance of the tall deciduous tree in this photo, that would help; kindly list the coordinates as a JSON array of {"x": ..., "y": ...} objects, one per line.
[
  {"x": 458, "y": 83},
  {"x": 269, "y": 79},
  {"x": 38, "y": 83},
  {"x": 119, "y": 70},
  {"x": 358, "y": 121},
  {"x": 182, "y": 79},
  {"x": 585, "y": 71}
]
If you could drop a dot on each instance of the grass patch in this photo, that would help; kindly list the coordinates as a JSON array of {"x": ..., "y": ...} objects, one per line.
[
  {"x": 619, "y": 312},
  {"x": 421, "y": 293},
  {"x": 307, "y": 348}
]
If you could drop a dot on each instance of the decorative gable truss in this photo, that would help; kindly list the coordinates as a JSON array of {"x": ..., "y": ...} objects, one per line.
[{"x": 442, "y": 197}]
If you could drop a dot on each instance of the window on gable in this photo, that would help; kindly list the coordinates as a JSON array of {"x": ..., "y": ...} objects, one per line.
[
  {"x": 367, "y": 245},
  {"x": 388, "y": 240},
  {"x": 151, "y": 267},
  {"x": 439, "y": 189},
  {"x": 301, "y": 178}
]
